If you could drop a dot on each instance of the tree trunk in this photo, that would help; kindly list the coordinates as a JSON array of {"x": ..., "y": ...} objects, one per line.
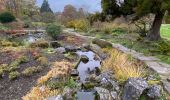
[{"x": 154, "y": 34}]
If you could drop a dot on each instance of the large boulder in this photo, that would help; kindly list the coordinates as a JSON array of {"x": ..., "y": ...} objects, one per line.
[
  {"x": 95, "y": 48},
  {"x": 101, "y": 43},
  {"x": 154, "y": 92},
  {"x": 134, "y": 88}
]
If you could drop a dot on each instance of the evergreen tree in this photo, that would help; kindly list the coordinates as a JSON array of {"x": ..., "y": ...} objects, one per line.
[
  {"x": 110, "y": 7},
  {"x": 45, "y": 7},
  {"x": 128, "y": 6}
]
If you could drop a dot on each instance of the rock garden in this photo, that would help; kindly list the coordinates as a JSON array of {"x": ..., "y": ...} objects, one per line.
[{"x": 36, "y": 67}]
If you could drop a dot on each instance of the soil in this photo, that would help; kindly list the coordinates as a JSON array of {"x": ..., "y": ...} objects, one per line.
[{"x": 16, "y": 89}]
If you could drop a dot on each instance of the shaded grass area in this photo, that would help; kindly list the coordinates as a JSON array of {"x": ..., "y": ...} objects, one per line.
[
  {"x": 160, "y": 49},
  {"x": 165, "y": 31}
]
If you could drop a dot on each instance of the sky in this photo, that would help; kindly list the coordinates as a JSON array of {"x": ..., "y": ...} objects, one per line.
[{"x": 58, "y": 5}]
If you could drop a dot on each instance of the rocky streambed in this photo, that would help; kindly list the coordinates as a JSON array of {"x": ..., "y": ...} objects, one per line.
[
  {"x": 79, "y": 72},
  {"x": 96, "y": 84}
]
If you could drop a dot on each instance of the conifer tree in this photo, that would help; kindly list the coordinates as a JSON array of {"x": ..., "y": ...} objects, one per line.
[{"x": 45, "y": 8}]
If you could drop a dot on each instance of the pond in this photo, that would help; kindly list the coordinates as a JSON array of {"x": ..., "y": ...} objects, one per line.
[
  {"x": 31, "y": 37},
  {"x": 84, "y": 69}
]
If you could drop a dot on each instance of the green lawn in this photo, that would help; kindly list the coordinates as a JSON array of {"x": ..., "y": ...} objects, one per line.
[{"x": 165, "y": 31}]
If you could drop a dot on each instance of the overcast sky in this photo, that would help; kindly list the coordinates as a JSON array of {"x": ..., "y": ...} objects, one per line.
[{"x": 58, "y": 5}]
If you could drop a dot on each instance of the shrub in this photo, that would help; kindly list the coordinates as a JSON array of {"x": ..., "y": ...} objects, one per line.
[
  {"x": 54, "y": 30},
  {"x": 40, "y": 43},
  {"x": 6, "y": 17},
  {"x": 71, "y": 83},
  {"x": 37, "y": 94},
  {"x": 43, "y": 61},
  {"x": 123, "y": 68},
  {"x": 39, "y": 25},
  {"x": 2, "y": 27},
  {"x": 6, "y": 43},
  {"x": 71, "y": 24},
  {"x": 3, "y": 69},
  {"x": 80, "y": 25},
  {"x": 58, "y": 69},
  {"x": 107, "y": 30},
  {"x": 13, "y": 75},
  {"x": 14, "y": 65},
  {"x": 31, "y": 70},
  {"x": 23, "y": 59}
]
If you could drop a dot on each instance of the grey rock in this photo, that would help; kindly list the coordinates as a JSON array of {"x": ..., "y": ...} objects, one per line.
[
  {"x": 158, "y": 68},
  {"x": 71, "y": 48},
  {"x": 91, "y": 78},
  {"x": 86, "y": 46},
  {"x": 58, "y": 97},
  {"x": 106, "y": 80},
  {"x": 166, "y": 86},
  {"x": 101, "y": 43},
  {"x": 85, "y": 95},
  {"x": 60, "y": 50},
  {"x": 133, "y": 88},
  {"x": 154, "y": 91},
  {"x": 84, "y": 59},
  {"x": 68, "y": 93},
  {"x": 168, "y": 79},
  {"x": 115, "y": 85},
  {"x": 95, "y": 48},
  {"x": 107, "y": 74},
  {"x": 105, "y": 83},
  {"x": 114, "y": 95},
  {"x": 103, "y": 93},
  {"x": 74, "y": 72}
]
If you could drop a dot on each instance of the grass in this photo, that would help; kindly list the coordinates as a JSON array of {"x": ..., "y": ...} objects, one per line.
[
  {"x": 132, "y": 40},
  {"x": 165, "y": 31},
  {"x": 122, "y": 66}
]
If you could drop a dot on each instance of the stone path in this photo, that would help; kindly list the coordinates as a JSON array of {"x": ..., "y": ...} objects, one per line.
[{"x": 153, "y": 63}]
